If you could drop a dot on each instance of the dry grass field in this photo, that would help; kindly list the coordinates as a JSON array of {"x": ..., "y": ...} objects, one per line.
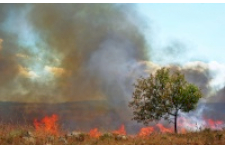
[{"x": 23, "y": 135}]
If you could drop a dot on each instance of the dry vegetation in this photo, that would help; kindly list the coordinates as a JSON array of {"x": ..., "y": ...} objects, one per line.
[{"x": 22, "y": 135}]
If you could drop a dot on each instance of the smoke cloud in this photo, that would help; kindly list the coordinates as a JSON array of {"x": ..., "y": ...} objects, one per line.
[{"x": 65, "y": 44}]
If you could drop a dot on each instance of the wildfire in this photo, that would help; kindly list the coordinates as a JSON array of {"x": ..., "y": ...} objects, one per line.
[
  {"x": 184, "y": 124},
  {"x": 145, "y": 131},
  {"x": 47, "y": 125},
  {"x": 120, "y": 131},
  {"x": 164, "y": 129},
  {"x": 94, "y": 133},
  {"x": 214, "y": 124}
]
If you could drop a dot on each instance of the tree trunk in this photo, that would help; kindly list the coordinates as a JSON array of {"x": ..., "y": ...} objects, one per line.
[
  {"x": 175, "y": 123},
  {"x": 175, "y": 120}
]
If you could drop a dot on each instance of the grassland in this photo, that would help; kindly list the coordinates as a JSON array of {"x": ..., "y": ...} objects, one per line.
[{"x": 23, "y": 135}]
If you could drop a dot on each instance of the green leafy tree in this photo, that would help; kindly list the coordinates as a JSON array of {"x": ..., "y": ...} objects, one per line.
[{"x": 162, "y": 95}]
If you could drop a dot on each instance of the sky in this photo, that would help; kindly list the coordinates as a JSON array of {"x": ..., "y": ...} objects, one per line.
[{"x": 200, "y": 27}]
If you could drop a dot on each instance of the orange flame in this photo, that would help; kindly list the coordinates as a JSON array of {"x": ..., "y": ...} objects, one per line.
[
  {"x": 183, "y": 131},
  {"x": 214, "y": 124},
  {"x": 94, "y": 133},
  {"x": 164, "y": 129},
  {"x": 120, "y": 131},
  {"x": 47, "y": 125},
  {"x": 145, "y": 131}
]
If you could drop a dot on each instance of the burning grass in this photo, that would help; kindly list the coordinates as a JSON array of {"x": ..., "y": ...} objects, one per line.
[
  {"x": 19, "y": 135},
  {"x": 47, "y": 131}
]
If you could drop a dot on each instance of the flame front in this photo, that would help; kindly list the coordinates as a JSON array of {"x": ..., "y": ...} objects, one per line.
[
  {"x": 214, "y": 124},
  {"x": 120, "y": 131},
  {"x": 94, "y": 133},
  {"x": 47, "y": 125},
  {"x": 145, "y": 131},
  {"x": 164, "y": 129}
]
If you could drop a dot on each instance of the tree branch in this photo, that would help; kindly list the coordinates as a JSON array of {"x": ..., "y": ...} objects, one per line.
[{"x": 171, "y": 114}]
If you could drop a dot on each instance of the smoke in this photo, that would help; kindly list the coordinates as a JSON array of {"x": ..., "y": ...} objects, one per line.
[{"x": 57, "y": 46}]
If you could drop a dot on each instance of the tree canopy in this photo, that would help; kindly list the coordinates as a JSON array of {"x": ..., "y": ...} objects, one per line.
[{"x": 162, "y": 95}]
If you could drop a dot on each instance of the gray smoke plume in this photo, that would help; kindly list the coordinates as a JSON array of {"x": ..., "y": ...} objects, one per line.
[{"x": 64, "y": 40}]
